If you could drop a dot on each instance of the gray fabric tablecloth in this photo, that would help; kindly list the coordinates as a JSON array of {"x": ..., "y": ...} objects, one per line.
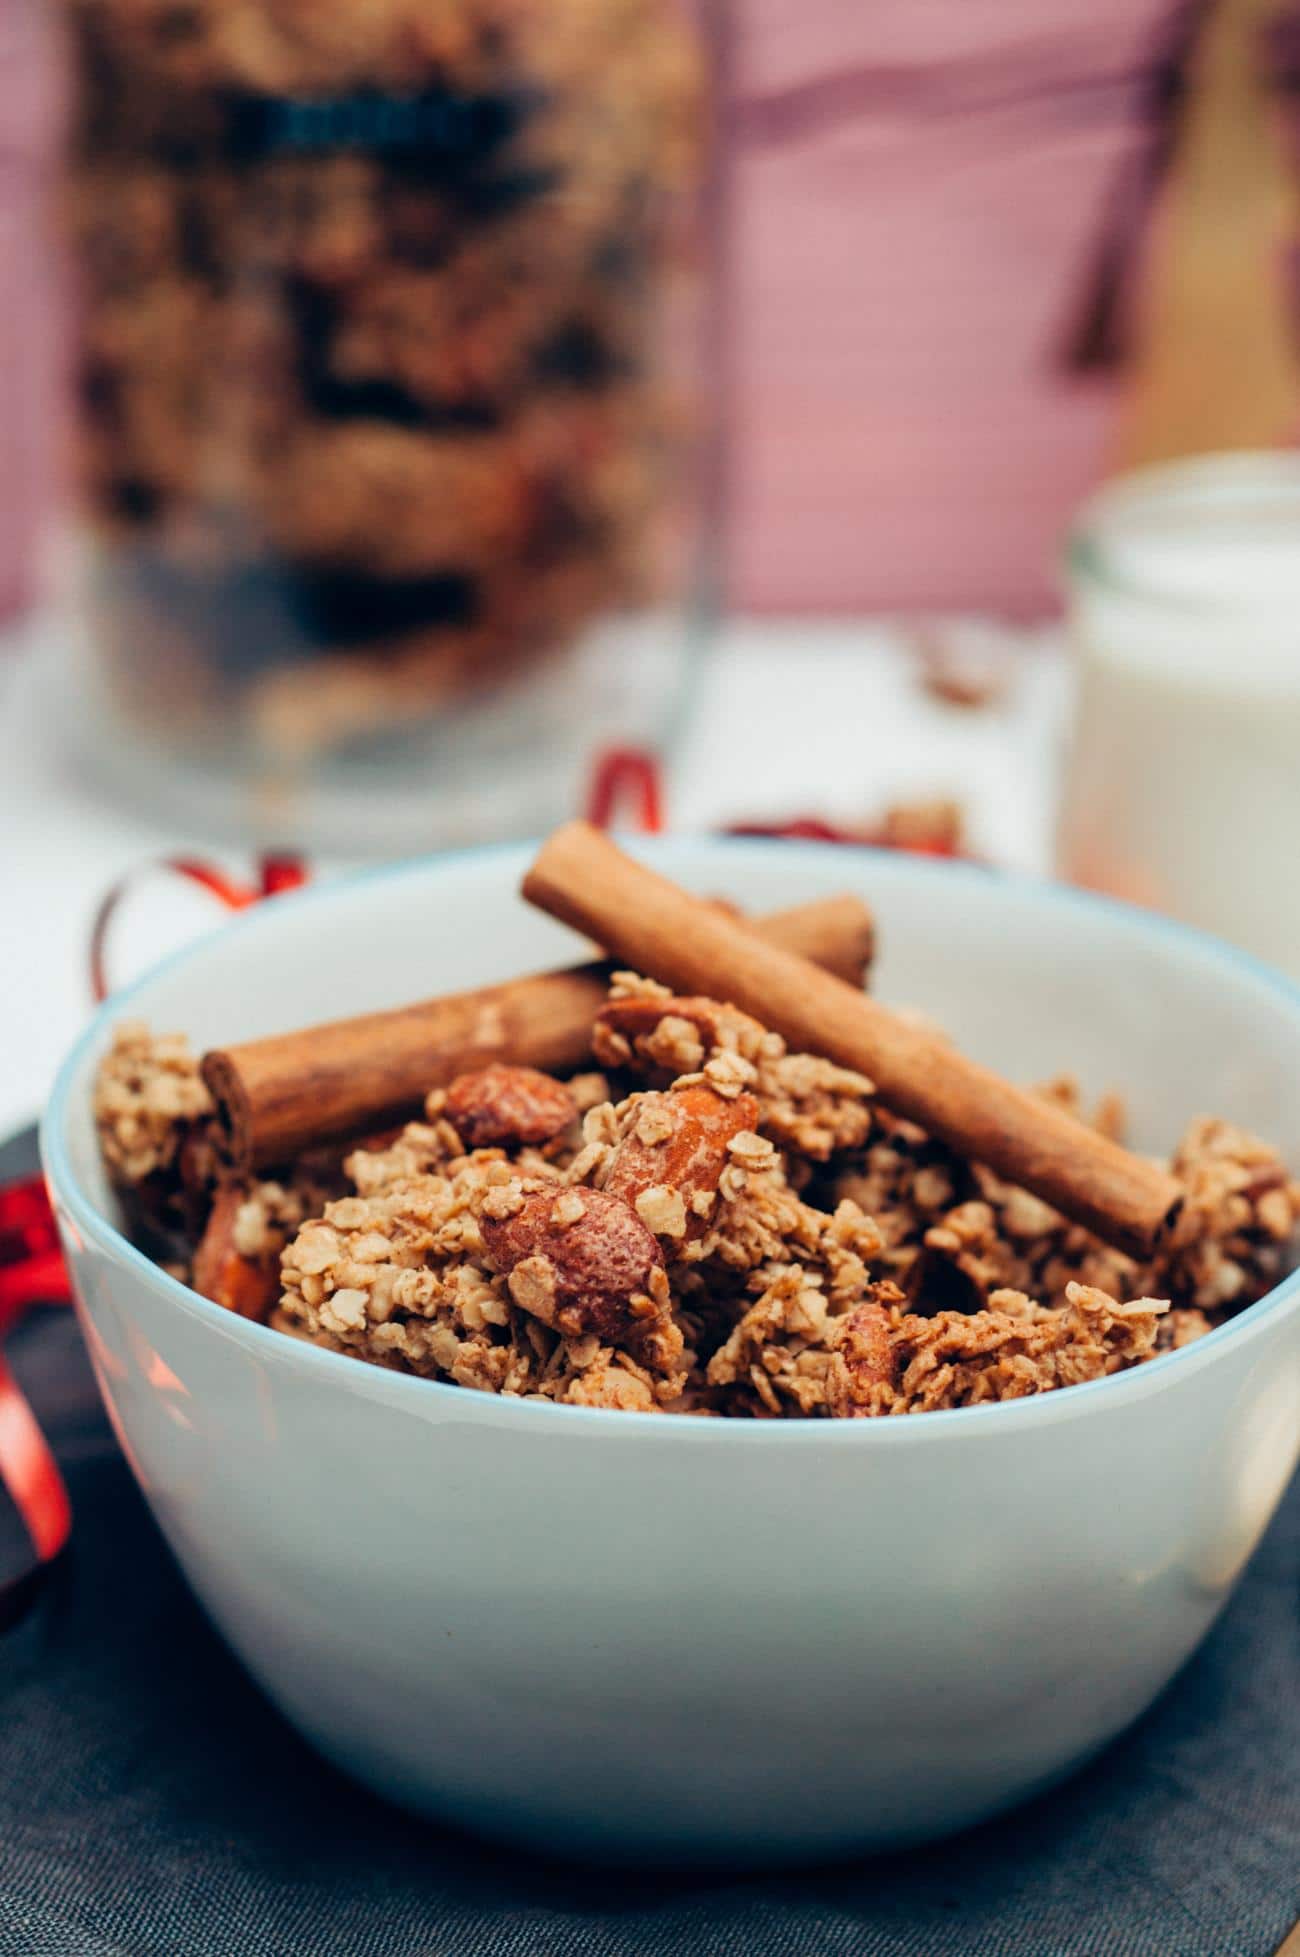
[{"x": 153, "y": 1805}]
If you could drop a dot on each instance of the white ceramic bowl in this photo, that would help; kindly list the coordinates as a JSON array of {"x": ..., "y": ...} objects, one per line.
[{"x": 640, "y": 1636}]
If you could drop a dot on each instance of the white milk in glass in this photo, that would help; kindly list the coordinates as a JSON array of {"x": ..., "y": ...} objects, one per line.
[{"x": 1183, "y": 789}]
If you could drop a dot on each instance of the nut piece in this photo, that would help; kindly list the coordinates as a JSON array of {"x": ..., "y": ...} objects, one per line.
[
  {"x": 633, "y": 1032},
  {"x": 679, "y": 1142},
  {"x": 862, "y": 1369},
  {"x": 635, "y": 1017},
  {"x": 249, "y": 1286},
  {"x": 599, "y": 1271},
  {"x": 500, "y": 1107}
]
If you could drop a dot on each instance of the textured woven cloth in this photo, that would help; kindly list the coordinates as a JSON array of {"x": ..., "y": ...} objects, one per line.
[{"x": 152, "y": 1804}]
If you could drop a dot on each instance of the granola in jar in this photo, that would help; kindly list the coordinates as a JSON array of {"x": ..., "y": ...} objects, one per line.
[{"x": 393, "y": 406}]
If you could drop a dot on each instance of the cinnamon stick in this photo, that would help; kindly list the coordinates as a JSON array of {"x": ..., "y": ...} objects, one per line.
[
  {"x": 649, "y": 924},
  {"x": 278, "y": 1096}
]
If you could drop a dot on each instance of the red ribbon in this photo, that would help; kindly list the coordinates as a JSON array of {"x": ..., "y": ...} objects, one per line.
[
  {"x": 626, "y": 778},
  {"x": 30, "y": 1472},
  {"x": 31, "y": 1272},
  {"x": 31, "y": 1264},
  {"x": 275, "y": 873}
]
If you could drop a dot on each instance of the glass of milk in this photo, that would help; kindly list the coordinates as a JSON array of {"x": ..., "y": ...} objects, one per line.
[{"x": 1183, "y": 784}]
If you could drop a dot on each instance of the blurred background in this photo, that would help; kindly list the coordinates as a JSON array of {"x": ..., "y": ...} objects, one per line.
[
  {"x": 928, "y": 208},
  {"x": 421, "y": 419}
]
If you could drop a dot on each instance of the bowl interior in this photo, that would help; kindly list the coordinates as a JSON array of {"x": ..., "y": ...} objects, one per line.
[{"x": 1028, "y": 977}]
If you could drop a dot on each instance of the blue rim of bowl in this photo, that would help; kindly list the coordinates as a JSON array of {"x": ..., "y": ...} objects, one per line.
[{"x": 1066, "y": 1402}]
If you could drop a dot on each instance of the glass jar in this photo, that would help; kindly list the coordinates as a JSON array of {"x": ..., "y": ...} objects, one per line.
[
  {"x": 1183, "y": 786},
  {"x": 398, "y": 410}
]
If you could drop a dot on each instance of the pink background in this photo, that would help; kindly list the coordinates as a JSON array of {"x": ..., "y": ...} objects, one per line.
[
  {"x": 917, "y": 183},
  {"x": 29, "y": 312}
]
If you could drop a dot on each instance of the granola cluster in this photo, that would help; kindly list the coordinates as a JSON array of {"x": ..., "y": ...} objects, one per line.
[
  {"x": 374, "y": 404},
  {"x": 710, "y": 1225},
  {"x": 147, "y": 1096},
  {"x": 955, "y": 1233}
]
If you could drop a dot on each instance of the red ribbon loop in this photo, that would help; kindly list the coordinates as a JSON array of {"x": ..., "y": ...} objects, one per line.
[
  {"x": 626, "y": 776},
  {"x": 276, "y": 873}
]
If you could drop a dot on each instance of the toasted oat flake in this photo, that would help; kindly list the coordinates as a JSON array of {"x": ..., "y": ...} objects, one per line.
[
  {"x": 662, "y": 1210},
  {"x": 654, "y": 1122}
]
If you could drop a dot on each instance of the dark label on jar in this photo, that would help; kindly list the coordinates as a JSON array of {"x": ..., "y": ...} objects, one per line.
[{"x": 437, "y": 123}]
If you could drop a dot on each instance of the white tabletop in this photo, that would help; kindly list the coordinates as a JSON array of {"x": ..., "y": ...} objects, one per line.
[{"x": 792, "y": 718}]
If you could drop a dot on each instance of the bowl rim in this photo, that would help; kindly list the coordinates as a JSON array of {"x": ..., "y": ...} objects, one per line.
[{"x": 341, "y": 1367}]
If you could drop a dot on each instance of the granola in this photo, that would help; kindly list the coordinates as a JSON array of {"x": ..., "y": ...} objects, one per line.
[
  {"x": 711, "y": 1225},
  {"x": 148, "y": 1095},
  {"x": 371, "y": 379},
  {"x": 954, "y": 1232}
]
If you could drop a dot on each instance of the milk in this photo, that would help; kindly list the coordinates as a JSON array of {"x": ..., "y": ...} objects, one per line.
[{"x": 1183, "y": 789}]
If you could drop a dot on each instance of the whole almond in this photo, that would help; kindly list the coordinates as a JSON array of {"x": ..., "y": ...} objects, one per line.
[
  {"x": 696, "y": 1126},
  {"x": 504, "y": 1107},
  {"x": 600, "y": 1271}
]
